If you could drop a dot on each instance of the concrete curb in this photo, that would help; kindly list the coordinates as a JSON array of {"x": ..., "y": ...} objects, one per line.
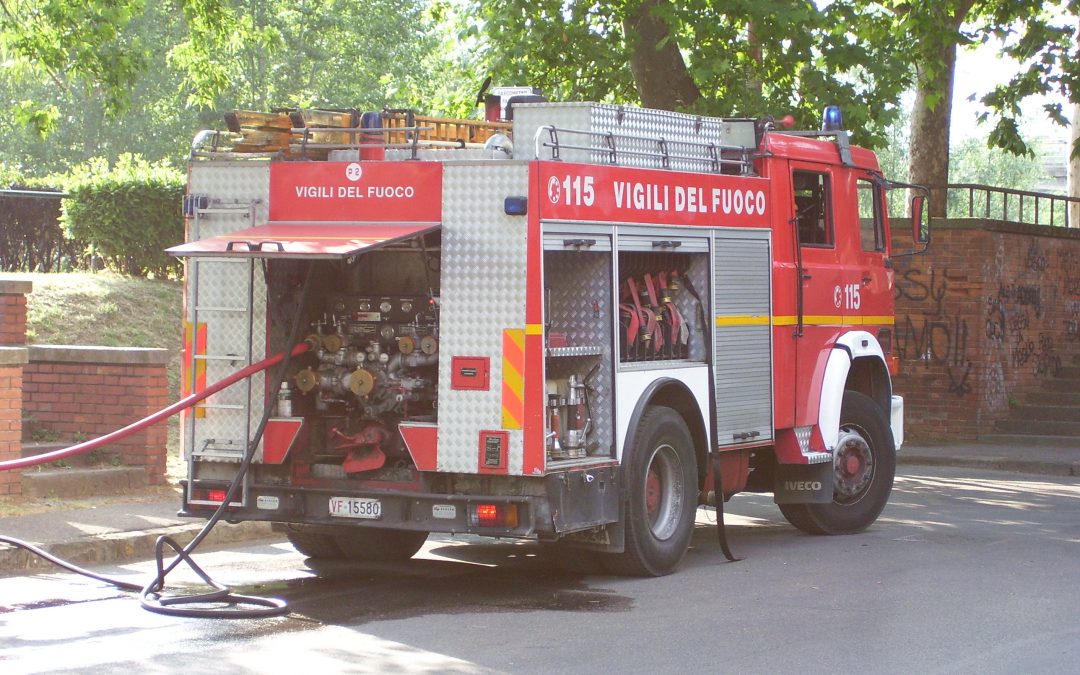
[
  {"x": 122, "y": 547},
  {"x": 993, "y": 464}
]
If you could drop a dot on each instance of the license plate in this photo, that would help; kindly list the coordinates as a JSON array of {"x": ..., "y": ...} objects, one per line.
[{"x": 355, "y": 507}]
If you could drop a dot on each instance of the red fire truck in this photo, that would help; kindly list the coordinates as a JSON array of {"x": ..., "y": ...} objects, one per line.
[{"x": 576, "y": 327}]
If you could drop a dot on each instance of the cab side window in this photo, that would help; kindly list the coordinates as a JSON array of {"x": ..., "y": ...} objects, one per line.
[
  {"x": 813, "y": 208},
  {"x": 871, "y": 223}
]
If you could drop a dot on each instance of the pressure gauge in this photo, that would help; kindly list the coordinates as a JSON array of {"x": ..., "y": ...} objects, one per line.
[
  {"x": 406, "y": 307},
  {"x": 385, "y": 306}
]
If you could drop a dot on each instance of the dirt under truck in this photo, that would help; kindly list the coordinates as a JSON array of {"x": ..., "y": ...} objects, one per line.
[{"x": 576, "y": 327}]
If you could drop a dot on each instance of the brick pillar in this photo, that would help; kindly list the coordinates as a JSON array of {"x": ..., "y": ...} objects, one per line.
[
  {"x": 12, "y": 360},
  {"x": 13, "y": 311}
]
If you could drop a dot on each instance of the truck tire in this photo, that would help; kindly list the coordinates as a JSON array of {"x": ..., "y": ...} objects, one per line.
[
  {"x": 661, "y": 496},
  {"x": 864, "y": 467},
  {"x": 378, "y": 545},
  {"x": 315, "y": 544}
]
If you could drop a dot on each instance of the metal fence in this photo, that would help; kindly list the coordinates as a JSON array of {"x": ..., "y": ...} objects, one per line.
[
  {"x": 968, "y": 200},
  {"x": 31, "y": 239}
]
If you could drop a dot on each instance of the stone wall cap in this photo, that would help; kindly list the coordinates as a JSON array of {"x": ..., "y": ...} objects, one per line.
[
  {"x": 1005, "y": 226},
  {"x": 13, "y": 356},
  {"x": 151, "y": 356},
  {"x": 16, "y": 286}
]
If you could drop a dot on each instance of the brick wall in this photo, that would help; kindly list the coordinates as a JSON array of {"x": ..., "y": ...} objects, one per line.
[
  {"x": 13, "y": 311},
  {"x": 91, "y": 391},
  {"x": 990, "y": 311},
  {"x": 12, "y": 360}
]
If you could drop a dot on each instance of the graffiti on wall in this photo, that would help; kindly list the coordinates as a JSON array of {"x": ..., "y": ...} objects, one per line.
[
  {"x": 933, "y": 336},
  {"x": 1018, "y": 331}
]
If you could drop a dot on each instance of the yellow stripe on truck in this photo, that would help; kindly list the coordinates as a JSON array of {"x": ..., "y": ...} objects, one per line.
[{"x": 513, "y": 378}]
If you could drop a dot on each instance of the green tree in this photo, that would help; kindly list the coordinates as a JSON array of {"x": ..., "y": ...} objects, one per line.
[
  {"x": 742, "y": 57},
  {"x": 215, "y": 55},
  {"x": 1032, "y": 31}
]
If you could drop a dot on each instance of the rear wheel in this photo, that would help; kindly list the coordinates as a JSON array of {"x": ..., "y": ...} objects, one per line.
[
  {"x": 378, "y": 545},
  {"x": 864, "y": 466},
  {"x": 661, "y": 496},
  {"x": 314, "y": 544}
]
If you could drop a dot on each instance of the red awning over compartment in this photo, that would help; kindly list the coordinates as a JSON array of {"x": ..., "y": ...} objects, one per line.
[{"x": 292, "y": 240}]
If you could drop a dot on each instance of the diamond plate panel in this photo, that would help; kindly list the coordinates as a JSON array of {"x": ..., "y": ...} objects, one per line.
[
  {"x": 686, "y": 137},
  {"x": 483, "y": 293},
  {"x": 578, "y": 284},
  {"x": 230, "y": 298}
]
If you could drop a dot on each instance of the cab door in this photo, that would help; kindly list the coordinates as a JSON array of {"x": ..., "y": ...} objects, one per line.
[
  {"x": 819, "y": 289},
  {"x": 870, "y": 256}
]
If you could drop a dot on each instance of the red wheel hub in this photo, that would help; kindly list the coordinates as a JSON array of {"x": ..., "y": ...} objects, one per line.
[{"x": 652, "y": 492}]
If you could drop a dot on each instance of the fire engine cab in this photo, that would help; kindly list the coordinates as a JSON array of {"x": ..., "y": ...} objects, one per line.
[{"x": 576, "y": 327}]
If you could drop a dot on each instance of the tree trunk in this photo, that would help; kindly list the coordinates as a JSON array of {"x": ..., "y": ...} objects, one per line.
[
  {"x": 1074, "y": 167},
  {"x": 660, "y": 72},
  {"x": 929, "y": 151}
]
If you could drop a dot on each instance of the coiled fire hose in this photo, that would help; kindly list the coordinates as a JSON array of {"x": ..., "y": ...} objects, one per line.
[{"x": 221, "y": 602}]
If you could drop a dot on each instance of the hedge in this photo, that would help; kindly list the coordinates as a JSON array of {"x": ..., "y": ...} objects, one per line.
[{"x": 128, "y": 214}]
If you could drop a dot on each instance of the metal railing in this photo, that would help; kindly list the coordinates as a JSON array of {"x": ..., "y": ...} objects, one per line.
[
  {"x": 969, "y": 200},
  {"x": 652, "y": 151}
]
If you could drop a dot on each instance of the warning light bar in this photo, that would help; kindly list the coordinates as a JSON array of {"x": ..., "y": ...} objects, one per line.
[{"x": 493, "y": 515}]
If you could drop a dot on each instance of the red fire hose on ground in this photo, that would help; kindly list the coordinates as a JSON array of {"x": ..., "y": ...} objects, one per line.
[
  {"x": 151, "y": 593},
  {"x": 220, "y": 601}
]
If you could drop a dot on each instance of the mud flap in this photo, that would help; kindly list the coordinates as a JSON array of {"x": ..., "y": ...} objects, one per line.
[
  {"x": 803, "y": 483},
  {"x": 586, "y": 508}
]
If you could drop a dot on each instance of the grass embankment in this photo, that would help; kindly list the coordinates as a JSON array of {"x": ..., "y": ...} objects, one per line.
[{"x": 109, "y": 310}]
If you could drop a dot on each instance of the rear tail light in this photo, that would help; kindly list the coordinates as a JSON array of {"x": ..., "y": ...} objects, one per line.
[
  {"x": 210, "y": 495},
  {"x": 494, "y": 515}
]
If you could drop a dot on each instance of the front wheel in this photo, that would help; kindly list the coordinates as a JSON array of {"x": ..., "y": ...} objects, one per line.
[
  {"x": 661, "y": 496},
  {"x": 864, "y": 465}
]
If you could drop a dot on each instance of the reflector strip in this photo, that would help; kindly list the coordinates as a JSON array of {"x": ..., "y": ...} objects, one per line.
[
  {"x": 809, "y": 320},
  {"x": 743, "y": 320},
  {"x": 513, "y": 380},
  {"x": 193, "y": 380}
]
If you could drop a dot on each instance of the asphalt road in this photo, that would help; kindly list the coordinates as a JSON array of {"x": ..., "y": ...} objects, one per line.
[{"x": 966, "y": 571}]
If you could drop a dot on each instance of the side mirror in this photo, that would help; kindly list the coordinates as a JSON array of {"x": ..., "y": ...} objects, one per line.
[{"x": 920, "y": 220}]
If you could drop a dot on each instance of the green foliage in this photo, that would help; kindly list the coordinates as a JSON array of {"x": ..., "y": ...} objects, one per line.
[
  {"x": 1044, "y": 38},
  {"x": 976, "y": 160},
  {"x": 77, "y": 41},
  {"x": 128, "y": 213},
  {"x": 210, "y": 56},
  {"x": 746, "y": 57}
]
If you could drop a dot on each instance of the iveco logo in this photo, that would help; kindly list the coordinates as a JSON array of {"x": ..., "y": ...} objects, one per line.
[
  {"x": 814, "y": 485},
  {"x": 353, "y": 172}
]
